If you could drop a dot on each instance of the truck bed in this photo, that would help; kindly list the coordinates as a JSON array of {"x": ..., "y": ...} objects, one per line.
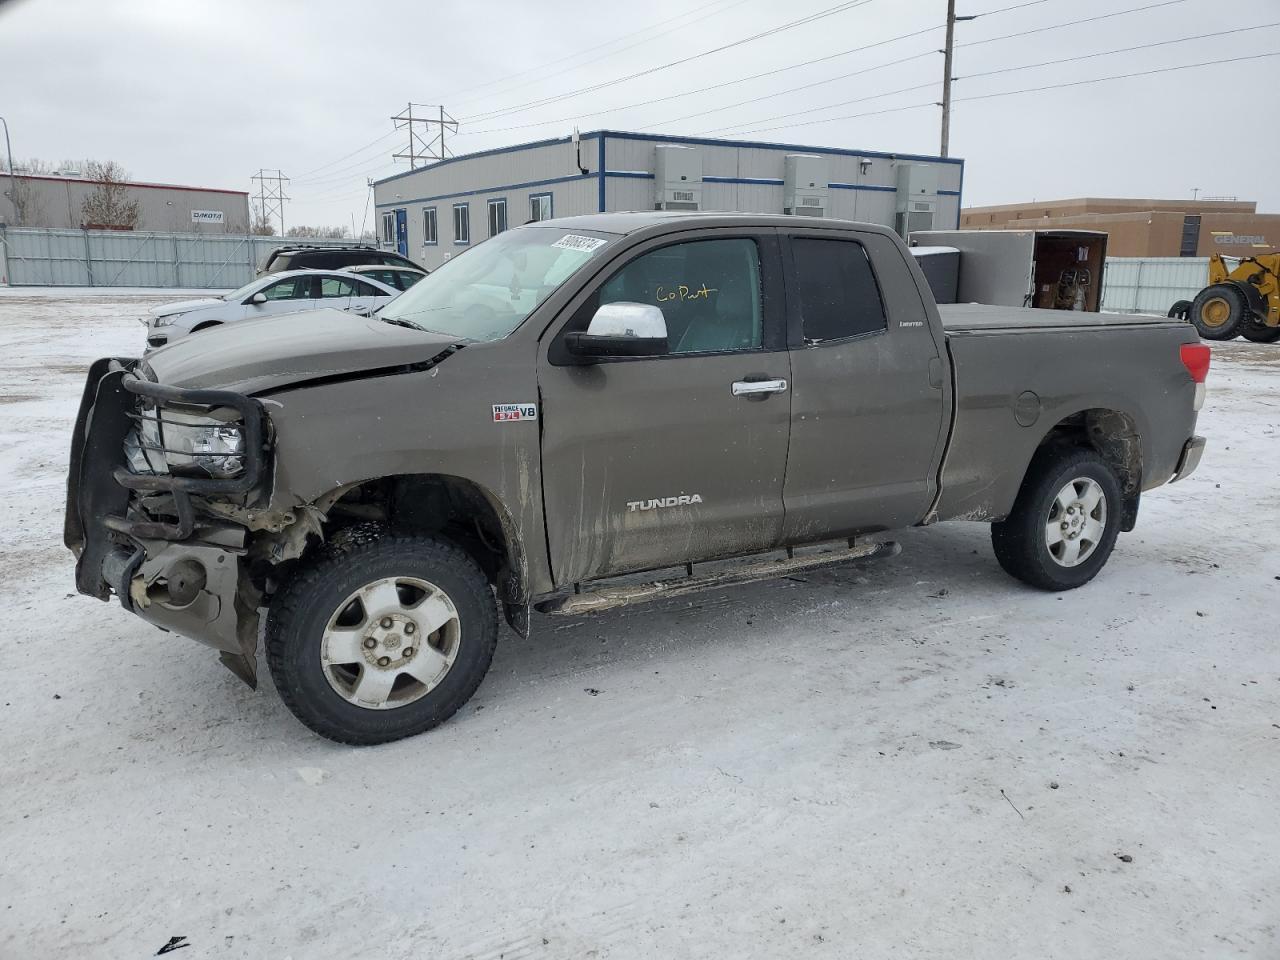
[{"x": 972, "y": 318}]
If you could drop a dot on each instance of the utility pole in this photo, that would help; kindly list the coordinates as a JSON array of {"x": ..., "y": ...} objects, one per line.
[
  {"x": 429, "y": 144},
  {"x": 271, "y": 195},
  {"x": 947, "y": 55},
  {"x": 13, "y": 183}
]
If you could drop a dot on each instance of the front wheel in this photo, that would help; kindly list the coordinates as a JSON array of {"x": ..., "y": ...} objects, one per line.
[
  {"x": 1064, "y": 522},
  {"x": 381, "y": 641},
  {"x": 1219, "y": 311}
]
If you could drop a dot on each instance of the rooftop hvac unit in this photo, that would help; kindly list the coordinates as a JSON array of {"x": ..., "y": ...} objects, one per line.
[
  {"x": 804, "y": 190},
  {"x": 917, "y": 198},
  {"x": 677, "y": 178}
]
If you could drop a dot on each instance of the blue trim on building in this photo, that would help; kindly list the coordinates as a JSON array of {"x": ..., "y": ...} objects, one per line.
[
  {"x": 948, "y": 193},
  {"x": 766, "y": 145},
  {"x": 761, "y": 181},
  {"x": 862, "y": 186},
  {"x": 474, "y": 193},
  {"x": 602, "y": 135},
  {"x": 960, "y": 196},
  {"x": 632, "y": 174},
  {"x": 600, "y": 173}
]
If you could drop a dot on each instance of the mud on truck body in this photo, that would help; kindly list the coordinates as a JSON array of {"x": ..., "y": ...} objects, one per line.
[{"x": 581, "y": 400}]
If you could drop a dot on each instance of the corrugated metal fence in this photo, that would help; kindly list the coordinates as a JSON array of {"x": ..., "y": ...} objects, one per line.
[
  {"x": 1151, "y": 284},
  {"x": 110, "y": 258}
]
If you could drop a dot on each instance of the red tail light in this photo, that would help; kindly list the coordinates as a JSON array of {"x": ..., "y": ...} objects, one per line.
[{"x": 1195, "y": 357}]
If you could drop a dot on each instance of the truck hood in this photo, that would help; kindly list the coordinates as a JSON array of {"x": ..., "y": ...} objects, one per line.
[{"x": 275, "y": 352}]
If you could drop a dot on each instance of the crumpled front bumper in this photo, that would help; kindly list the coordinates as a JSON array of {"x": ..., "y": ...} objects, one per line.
[{"x": 184, "y": 572}]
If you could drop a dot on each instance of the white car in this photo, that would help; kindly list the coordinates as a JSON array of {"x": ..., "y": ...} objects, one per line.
[{"x": 276, "y": 293}]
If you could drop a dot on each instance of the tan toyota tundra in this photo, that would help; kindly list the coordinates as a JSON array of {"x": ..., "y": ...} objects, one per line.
[{"x": 578, "y": 401}]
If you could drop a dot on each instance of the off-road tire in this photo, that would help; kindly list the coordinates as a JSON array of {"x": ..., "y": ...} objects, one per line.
[
  {"x": 1181, "y": 310},
  {"x": 1256, "y": 332},
  {"x": 1019, "y": 540},
  {"x": 1207, "y": 302},
  {"x": 301, "y": 610}
]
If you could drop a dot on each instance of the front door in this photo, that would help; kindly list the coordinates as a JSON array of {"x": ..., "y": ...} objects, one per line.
[
  {"x": 655, "y": 461},
  {"x": 402, "y": 232}
]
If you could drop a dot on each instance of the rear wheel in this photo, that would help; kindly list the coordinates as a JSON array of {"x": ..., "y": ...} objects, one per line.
[
  {"x": 1260, "y": 332},
  {"x": 1219, "y": 311},
  {"x": 1064, "y": 523},
  {"x": 383, "y": 640}
]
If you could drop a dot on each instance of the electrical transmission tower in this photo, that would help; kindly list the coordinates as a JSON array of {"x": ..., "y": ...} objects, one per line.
[
  {"x": 426, "y": 133},
  {"x": 271, "y": 195}
]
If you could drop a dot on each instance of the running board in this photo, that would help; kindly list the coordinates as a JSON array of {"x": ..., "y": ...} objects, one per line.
[{"x": 605, "y": 598}]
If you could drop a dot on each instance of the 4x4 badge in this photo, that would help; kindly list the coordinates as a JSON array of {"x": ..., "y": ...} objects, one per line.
[{"x": 514, "y": 411}]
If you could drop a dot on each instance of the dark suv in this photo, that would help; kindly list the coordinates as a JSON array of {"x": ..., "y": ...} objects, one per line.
[{"x": 331, "y": 258}]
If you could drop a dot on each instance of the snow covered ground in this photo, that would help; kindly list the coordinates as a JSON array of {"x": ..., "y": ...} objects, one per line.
[{"x": 925, "y": 759}]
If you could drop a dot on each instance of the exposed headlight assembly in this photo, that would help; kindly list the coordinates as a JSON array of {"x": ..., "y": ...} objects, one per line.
[
  {"x": 168, "y": 439},
  {"x": 167, "y": 320}
]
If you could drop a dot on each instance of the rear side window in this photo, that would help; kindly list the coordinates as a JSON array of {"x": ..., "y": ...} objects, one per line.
[
  {"x": 838, "y": 294},
  {"x": 366, "y": 290}
]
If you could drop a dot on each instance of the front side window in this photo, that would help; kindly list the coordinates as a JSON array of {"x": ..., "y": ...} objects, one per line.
[
  {"x": 708, "y": 291},
  {"x": 461, "y": 223},
  {"x": 497, "y": 217},
  {"x": 838, "y": 294},
  {"x": 540, "y": 207},
  {"x": 429, "y": 234},
  {"x": 295, "y": 288},
  {"x": 333, "y": 287}
]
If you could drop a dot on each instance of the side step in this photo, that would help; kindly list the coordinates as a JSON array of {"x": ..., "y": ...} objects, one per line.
[{"x": 607, "y": 597}]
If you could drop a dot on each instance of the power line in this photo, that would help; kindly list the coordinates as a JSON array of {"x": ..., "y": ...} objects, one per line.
[
  {"x": 714, "y": 86},
  {"x": 1011, "y": 93},
  {"x": 371, "y": 143},
  {"x": 773, "y": 31},
  {"x": 992, "y": 73},
  {"x": 1070, "y": 23},
  {"x": 620, "y": 50}
]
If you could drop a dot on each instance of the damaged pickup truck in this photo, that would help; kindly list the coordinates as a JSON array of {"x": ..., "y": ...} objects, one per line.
[{"x": 577, "y": 400}]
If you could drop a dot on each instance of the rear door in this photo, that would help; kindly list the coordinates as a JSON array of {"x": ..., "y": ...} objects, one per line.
[
  {"x": 336, "y": 292},
  {"x": 869, "y": 405},
  {"x": 654, "y": 461}
]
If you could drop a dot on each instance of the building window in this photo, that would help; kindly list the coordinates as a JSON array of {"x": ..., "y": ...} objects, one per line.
[
  {"x": 429, "y": 235},
  {"x": 497, "y": 216},
  {"x": 540, "y": 207},
  {"x": 1190, "y": 235},
  {"x": 461, "y": 223},
  {"x": 388, "y": 227}
]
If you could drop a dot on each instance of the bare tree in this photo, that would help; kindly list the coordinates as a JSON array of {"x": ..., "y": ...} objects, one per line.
[
  {"x": 262, "y": 227},
  {"x": 322, "y": 233},
  {"x": 109, "y": 204}
]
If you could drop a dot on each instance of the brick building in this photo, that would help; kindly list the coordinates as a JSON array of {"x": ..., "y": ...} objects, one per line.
[{"x": 1143, "y": 228}]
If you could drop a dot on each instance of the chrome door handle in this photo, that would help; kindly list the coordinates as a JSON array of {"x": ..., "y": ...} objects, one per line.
[{"x": 753, "y": 388}]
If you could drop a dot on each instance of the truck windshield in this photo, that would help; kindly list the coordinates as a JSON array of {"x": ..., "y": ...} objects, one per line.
[{"x": 487, "y": 292}]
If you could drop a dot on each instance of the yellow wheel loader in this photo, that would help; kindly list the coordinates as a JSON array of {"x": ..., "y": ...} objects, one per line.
[{"x": 1242, "y": 298}]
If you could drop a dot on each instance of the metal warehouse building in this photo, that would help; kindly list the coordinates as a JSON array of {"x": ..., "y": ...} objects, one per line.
[
  {"x": 57, "y": 202},
  {"x": 430, "y": 213}
]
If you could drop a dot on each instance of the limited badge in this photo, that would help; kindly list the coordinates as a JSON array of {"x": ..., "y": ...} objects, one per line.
[{"x": 514, "y": 411}]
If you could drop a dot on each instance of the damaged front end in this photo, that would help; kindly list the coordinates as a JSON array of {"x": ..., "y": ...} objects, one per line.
[{"x": 156, "y": 472}]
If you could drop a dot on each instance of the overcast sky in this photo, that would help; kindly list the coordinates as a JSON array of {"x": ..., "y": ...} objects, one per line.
[{"x": 205, "y": 92}]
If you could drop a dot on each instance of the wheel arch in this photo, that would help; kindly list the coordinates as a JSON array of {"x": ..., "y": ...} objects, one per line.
[
  {"x": 1116, "y": 436},
  {"x": 205, "y": 325},
  {"x": 452, "y": 507}
]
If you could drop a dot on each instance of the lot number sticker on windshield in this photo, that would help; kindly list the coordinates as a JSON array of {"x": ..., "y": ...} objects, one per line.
[
  {"x": 571, "y": 241},
  {"x": 514, "y": 411}
]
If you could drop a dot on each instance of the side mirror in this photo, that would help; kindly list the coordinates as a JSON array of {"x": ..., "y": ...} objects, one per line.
[
  {"x": 258, "y": 298},
  {"x": 621, "y": 330}
]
